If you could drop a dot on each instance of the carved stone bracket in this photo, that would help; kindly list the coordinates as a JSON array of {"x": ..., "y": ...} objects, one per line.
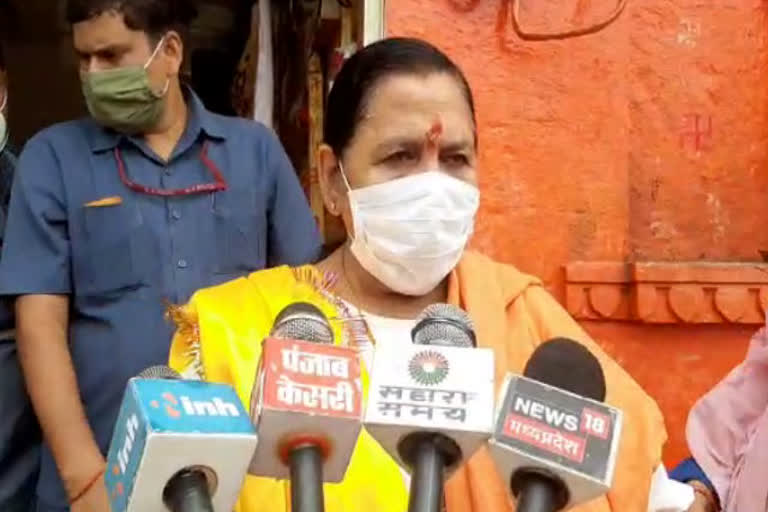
[{"x": 668, "y": 293}]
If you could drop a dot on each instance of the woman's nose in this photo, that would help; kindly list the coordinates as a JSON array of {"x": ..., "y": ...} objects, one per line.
[{"x": 430, "y": 161}]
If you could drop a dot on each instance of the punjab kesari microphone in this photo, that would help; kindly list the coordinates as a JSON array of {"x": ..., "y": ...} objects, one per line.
[{"x": 306, "y": 405}]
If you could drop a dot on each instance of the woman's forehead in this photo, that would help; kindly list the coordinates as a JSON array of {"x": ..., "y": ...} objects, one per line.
[{"x": 414, "y": 106}]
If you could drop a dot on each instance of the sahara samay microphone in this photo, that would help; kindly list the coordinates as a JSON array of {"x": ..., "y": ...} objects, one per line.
[{"x": 430, "y": 403}]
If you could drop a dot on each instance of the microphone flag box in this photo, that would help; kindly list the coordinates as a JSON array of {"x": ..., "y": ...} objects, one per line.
[
  {"x": 429, "y": 388},
  {"x": 543, "y": 426},
  {"x": 306, "y": 393},
  {"x": 167, "y": 425}
]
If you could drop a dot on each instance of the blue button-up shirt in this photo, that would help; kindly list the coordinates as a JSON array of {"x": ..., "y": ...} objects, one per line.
[{"x": 122, "y": 259}]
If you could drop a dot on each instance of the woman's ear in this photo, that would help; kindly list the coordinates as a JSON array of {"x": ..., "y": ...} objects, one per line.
[{"x": 331, "y": 183}]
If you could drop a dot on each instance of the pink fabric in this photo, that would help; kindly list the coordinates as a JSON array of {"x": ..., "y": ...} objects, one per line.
[{"x": 728, "y": 432}]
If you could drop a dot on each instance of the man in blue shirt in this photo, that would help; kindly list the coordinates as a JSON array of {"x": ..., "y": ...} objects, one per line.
[{"x": 115, "y": 216}]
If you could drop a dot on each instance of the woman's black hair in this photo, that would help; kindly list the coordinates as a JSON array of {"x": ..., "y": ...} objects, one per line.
[{"x": 362, "y": 72}]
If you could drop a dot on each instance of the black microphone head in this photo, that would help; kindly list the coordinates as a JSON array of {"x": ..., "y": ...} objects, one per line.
[
  {"x": 159, "y": 372},
  {"x": 446, "y": 325},
  {"x": 304, "y": 322},
  {"x": 568, "y": 365}
]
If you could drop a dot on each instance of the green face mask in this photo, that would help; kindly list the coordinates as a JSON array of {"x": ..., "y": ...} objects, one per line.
[{"x": 123, "y": 98}]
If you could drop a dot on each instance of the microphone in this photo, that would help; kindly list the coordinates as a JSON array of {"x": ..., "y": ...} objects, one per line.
[
  {"x": 302, "y": 321},
  {"x": 306, "y": 404},
  {"x": 178, "y": 445},
  {"x": 430, "y": 404},
  {"x": 555, "y": 441}
]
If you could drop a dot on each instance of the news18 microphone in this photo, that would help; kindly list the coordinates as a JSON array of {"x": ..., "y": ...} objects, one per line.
[
  {"x": 306, "y": 405},
  {"x": 555, "y": 441},
  {"x": 178, "y": 445},
  {"x": 430, "y": 404}
]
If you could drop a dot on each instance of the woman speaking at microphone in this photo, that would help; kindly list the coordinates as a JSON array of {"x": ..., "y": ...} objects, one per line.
[{"x": 399, "y": 166}]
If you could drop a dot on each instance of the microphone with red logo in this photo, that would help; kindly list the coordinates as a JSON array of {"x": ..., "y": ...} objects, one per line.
[
  {"x": 555, "y": 441},
  {"x": 306, "y": 405},
  {"x": 178, "y": 445},
  {"x": 430, "y": 404}
]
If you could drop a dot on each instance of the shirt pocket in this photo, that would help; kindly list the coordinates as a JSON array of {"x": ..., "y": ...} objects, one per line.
[
  {"x": 240, "y": 233},
  {"x": 116, "y": 242}
]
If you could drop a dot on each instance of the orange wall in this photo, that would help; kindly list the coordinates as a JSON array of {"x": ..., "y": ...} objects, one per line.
[{"x": 645, "y": 141}]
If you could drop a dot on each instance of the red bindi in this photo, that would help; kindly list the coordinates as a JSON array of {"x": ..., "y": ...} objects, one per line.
[
  {"x": 433, "y": 136},
  {"x": 435, "y": 131}
]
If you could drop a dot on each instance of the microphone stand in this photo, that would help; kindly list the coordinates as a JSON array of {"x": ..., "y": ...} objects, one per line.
[
  {"x": 187, "y": 491},
  {"x": 306, "y": 464},
  {"x": 428, "y": 454},
  {"x": 427, "y": 480},
  {"x": 538, "y": 491}
]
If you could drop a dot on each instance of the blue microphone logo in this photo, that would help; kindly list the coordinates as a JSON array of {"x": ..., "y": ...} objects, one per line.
[
  {"x": 131, "y": 428},
  {"x": 176, "y": 407}
]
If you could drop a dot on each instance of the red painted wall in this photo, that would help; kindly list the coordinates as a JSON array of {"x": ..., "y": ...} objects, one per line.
[{"x": 645, "y": 141}]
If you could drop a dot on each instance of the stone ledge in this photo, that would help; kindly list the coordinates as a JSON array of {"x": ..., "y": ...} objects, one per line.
[{"x": 668, "y": 293}]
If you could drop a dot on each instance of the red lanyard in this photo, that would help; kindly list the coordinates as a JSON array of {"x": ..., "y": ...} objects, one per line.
[{"x": 203, "y": 188}]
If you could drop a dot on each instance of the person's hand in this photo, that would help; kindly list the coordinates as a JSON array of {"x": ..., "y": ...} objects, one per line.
[
  {"x": 95, "y": 499},
  {"x": 699, "y": 505},
  {"x": 704, "y": 500}
]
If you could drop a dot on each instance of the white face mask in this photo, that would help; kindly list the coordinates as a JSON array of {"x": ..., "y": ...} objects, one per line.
[
  {"x": 3, "y": 123},
  {"x": 411, "y": 232}
]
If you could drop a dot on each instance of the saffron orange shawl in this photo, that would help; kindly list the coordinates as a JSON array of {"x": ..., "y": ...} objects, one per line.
[{"x": 219, "y": 335}]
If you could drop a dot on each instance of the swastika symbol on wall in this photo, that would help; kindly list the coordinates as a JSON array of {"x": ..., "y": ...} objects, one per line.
[{"x": 696, "y": 132}]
